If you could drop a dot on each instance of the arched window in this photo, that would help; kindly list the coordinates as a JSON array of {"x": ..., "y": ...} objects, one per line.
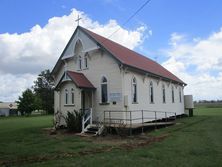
[
  {"x": 66, "y": 96},
  {"x": 164, "y": 93},
  {"x": 86, "y": 60},
  {"x": 180, "y": 95},
  {"x": 80, "y": 62},
  {"x": 78, "y": 47},
  {"x": 78, "y": 52},
  {"x": 72, "y": 95},
  {"x": 104, "y": 90},
  {"x": 172, "y": 94},
  {"x": 151, "y": 93},
  {"x": 134, "y": 90}
]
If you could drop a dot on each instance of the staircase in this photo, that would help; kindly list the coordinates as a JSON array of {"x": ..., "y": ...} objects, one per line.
[
  {"x": 93, "y": 130},
  {"x": 88, "y": 128}
]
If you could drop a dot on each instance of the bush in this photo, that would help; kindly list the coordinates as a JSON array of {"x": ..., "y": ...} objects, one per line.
[{"x": 74, "y": 121}]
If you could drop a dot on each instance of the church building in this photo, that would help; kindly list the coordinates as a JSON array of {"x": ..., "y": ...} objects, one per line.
[{"x": 96, "y": 73}]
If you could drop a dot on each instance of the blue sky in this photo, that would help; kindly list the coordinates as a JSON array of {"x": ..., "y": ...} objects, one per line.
[
  {"x": 184, "y": 34},
  {"x": 195, "y": 18}
]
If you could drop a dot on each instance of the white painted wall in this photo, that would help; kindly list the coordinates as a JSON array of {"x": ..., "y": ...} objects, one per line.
[
  {"x": 60, "y": 99},
  {"x": 101, "y": 64},
  {"x": 144, "y": 99}
]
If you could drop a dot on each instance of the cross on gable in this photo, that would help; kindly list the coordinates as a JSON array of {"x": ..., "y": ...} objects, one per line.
[{"x": 78, "y": 19}]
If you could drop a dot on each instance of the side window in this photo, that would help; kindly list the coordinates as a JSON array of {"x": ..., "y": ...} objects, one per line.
[
  {"x": 134, "y": 90},
  {"x": 164, "y": 93},
  {"x": 86, "y": 60},
  {"x": 151, "y": 92},
  {"x": 104, "y": 90},
  {"x": 172, "y": 94},
  {"x": 66, "y": 96},
  {"x": 80, "y": 62},
  {"x": 72, "y": 95},
  {"x": 180, "y": 95}
]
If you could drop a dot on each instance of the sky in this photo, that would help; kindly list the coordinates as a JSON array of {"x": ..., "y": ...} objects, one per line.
[{"x": 183, "y": 36}]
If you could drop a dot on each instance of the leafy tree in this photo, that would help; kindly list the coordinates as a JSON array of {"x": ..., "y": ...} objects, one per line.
[
  {"x": 37, "y": 102},
  {"x": 43, "y": 88},
  {"x": 26, "y": 102}
]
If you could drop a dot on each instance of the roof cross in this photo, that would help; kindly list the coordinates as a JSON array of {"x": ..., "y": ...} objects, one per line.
[{"x": 78, "y": 19}]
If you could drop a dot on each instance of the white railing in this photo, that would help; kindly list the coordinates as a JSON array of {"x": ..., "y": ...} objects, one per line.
[{"x": 87, "y": 117}]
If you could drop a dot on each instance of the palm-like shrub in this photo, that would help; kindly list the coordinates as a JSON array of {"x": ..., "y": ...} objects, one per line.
[{"x": 74, "y": 121}]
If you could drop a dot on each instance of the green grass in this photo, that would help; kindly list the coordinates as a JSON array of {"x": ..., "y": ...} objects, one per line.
[{"x": 195, "y": 141}]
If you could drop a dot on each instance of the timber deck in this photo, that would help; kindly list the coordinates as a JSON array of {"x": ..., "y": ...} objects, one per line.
[{"x": 140, "y": 125}]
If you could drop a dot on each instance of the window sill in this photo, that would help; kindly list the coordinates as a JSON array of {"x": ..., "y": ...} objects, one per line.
[
  {"x": 69, "y": 105},
  {"x": 104, "y": 103},
  {"x": 135, "y": 103},
  {"x": 152, "y": 103},
  {"x": 85, "y": 68}
]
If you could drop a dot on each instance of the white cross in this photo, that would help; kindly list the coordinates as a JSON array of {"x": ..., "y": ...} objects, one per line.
[{"x": 77, "y": 20}]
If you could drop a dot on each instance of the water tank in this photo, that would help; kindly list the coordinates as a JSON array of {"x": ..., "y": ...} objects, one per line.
[{"x": 188, "y": 102}]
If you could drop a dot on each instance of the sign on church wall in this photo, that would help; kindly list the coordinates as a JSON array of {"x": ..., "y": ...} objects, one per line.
[{"x": 115, "y": 97}]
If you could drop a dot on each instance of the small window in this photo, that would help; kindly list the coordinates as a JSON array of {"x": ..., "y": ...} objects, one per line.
[
  {"x": 151, "y": 92},
  {"x": 86, "y": 60},
  {"x": 164, "y": 93},
  {"x": 80, "y": 63},
  {"x": 104, "y": 90},
  {"x": 72, "y": 95},
  {"x": 172, "y": 94},
  {"x": 134, "y": 90},
  {"x": 66, "y": 96},
  {"x": 180, "y": 95}
]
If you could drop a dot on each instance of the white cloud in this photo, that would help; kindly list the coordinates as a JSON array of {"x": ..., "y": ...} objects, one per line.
[
  {"x": 11, "y": 86},
  {"x": 176, "y": 38},
  {"x": 198, "y": 63},
  {"x": 24, "y": 55}
]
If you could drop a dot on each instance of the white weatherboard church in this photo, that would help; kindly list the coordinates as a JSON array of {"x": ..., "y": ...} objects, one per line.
[{"x": 97, "y": 73}]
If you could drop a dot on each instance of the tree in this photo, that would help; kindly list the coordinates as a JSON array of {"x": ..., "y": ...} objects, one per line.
[
  {"x": 43, "y": 88},
  {"x": 26, "y": 102}
]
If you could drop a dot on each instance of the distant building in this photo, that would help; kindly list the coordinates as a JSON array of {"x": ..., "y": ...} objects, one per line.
[{"x": 8, "y": 108}]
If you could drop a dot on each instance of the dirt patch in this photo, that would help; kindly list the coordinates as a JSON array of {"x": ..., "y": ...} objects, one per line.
[{"x": 116, "y": 142}]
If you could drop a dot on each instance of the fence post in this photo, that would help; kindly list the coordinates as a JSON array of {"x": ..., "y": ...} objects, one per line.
[
  {"x": 109, "y": 122},
  {"x": 130, "y": 123},
  {"x": 90, "y": 116},
  {"x": 155, "y": 120},
  {"x": 83, "y": 124},
  {"x": 104, "y": 117},
  {"x": 175, "y": 116},
  {"x": 142, "y": 121}
]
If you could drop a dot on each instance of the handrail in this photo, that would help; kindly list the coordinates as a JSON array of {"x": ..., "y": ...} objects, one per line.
[
  {"x": 108, "y": 118},
  {"x": 86, "y": 117},
  {"x": 99, "y": 121}
]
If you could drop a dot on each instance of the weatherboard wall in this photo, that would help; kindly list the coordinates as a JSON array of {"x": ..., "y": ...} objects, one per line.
[{"x": 143, "y": 98}]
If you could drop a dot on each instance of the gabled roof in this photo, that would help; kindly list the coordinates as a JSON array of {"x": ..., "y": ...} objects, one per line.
[
  {"x": 80, "y": 80},
  {"x": 131, "y": 58},
  {"x": 125, "y": 56}
]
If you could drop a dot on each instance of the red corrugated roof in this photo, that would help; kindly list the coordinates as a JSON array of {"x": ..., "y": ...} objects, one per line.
[
  {"x": 80, "y": 80},
  {"x": 132, "y": 58}
]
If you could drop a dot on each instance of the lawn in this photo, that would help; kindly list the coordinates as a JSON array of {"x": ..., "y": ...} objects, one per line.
[{"x": 195, "y": 141}]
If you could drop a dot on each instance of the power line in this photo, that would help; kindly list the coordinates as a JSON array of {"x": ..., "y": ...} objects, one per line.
[{"x": 134, "y": 14}]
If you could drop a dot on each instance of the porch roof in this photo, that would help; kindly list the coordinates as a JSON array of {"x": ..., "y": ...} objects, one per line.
[{"x": 80, "y": 80}]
